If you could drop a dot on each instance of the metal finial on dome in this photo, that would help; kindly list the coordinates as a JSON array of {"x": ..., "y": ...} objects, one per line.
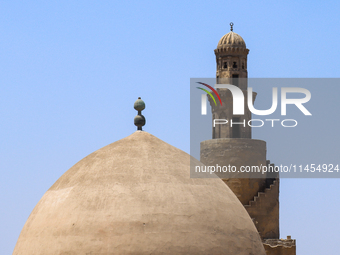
[
  {"x": 231, "y": 26},
  {"x": 139, "y": 120}
]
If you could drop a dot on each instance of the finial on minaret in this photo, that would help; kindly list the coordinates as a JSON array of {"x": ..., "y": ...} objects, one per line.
[
  {"x": 231, "y": 26},
  {"x": 139, "y": 119}
]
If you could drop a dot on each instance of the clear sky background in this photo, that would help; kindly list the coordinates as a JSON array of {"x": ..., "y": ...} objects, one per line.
[{"x": 71, "y": 71}]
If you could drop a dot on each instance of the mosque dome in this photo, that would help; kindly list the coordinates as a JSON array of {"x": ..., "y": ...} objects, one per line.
[{"x": 135, "y": 196}]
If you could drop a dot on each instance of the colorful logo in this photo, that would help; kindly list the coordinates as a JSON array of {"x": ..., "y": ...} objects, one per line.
[{"x": 208, "y": 92}]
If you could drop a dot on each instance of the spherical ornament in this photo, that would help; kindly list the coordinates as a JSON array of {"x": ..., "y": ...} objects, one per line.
[
  {"x": 139, "y": 120},
  {"x": 139, "y": 105}
]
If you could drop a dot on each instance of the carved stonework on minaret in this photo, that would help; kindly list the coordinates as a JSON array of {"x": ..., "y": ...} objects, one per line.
[{"x": 231, "y": 59}]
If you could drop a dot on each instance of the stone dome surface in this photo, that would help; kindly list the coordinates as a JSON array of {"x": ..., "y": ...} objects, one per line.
[
  {"x": 135, "y": 196},
  {"x": 231, "y": 40}
]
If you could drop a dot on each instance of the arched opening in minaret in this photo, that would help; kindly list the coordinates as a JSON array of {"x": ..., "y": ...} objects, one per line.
[
  {"x": 225, "y": 65},
  {"x": 235, "y": 79},
  {"x": 234, "y": 65}
]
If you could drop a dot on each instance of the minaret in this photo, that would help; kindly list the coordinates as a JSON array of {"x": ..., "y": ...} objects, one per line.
[
  {"x": 232, "y": 145},
  {"x": 231, "y": 60}
]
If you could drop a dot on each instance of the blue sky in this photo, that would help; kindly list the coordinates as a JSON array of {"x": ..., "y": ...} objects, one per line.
[{"x": 71, "y": 71}]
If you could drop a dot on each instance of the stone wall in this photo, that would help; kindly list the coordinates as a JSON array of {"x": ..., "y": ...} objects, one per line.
[
  {"x": 237, "y": 152},
  {"x": 280, "y": 246},
  {"x": 264, "y": 210}
]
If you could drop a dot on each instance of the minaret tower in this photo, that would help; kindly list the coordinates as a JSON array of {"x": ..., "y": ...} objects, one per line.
[
  {"x": 232, "y": 145},
  {"x": 231, "y": 60}
]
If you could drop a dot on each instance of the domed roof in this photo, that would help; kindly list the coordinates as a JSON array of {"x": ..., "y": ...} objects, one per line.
[
  {"x": 231, "y": 40},
  {"x": 135, "y": 196}
]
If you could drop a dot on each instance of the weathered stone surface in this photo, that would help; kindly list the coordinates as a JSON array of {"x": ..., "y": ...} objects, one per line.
[
  {"x": 237, "y": 152},
  {"x": 135, "y": 196},
  {"x": 280, "y": 246},
  {"x": 264, "y": 210}
]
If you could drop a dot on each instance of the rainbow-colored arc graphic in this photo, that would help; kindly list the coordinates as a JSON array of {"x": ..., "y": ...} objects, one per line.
[{"x": 213, "y": 90}]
